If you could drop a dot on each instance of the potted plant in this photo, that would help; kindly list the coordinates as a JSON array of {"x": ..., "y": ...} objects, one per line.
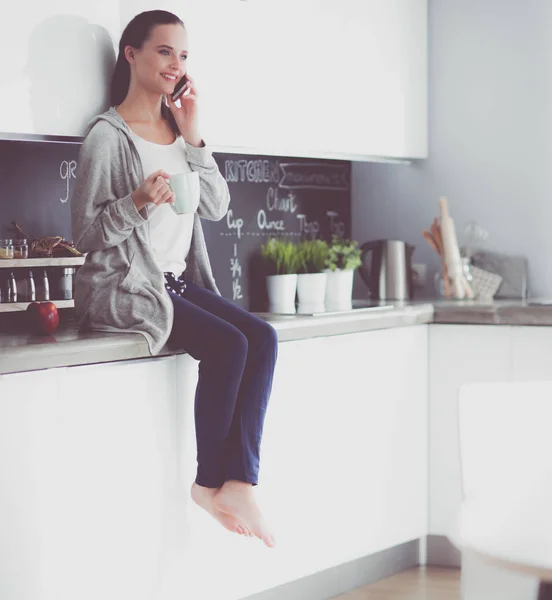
[
  {"x": 311, "y": 277},
  {"x": 343, "y": 259},
  {"x": 281, "y": 262}
]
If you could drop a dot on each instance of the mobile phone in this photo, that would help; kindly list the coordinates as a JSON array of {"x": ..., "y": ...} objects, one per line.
[{"x": 179, "y": 89}]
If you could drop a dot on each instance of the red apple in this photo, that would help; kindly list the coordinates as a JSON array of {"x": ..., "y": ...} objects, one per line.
[{"x": 43, "y": 317}]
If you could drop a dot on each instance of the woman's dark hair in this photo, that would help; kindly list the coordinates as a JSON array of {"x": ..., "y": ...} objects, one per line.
[{"x": 135, "y": 34}]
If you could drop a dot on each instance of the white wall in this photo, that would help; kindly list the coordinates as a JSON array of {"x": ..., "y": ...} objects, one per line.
[
  {"x": 56, "y": 61},
  {"x": 490, "y": 134}
]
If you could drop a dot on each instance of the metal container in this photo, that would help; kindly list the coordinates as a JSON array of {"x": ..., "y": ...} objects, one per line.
[{"x": 387, "y": 269}]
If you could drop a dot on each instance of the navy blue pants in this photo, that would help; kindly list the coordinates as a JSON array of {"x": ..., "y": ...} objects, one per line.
[{"x": 237, "y": 353}]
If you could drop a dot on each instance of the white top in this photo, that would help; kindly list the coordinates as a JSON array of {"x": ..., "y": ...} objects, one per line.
[{"x": 170, "y": 234}]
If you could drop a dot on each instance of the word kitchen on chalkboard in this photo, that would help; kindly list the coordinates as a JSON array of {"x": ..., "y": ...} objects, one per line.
[
  {"x": 273, "y": 197},
  {"x": 270, "y": 196}
]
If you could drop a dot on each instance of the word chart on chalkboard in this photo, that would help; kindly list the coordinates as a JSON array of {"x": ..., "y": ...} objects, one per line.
[
  {"x": 36, "y": 183},
  {"x": 291, "y": 198},
  {"x": 273, "y": 197}
]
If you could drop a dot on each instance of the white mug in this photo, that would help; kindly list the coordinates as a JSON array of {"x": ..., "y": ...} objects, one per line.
[{"x": 186, "y": 190}]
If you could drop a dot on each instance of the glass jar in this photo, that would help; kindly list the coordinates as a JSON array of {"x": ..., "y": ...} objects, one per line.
[
  {"x": 6, "y": 249},
  {"x": 20, "y": 249},
  {"x": 65, "y": 284},
  {"x": 26, "y": 291},
  {"x": 466, "y": 269}
]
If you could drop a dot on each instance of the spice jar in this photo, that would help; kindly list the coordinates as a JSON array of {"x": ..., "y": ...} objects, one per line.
[
  {"x": 25, "y": 285},
  {"x": 65, "y": 284},
  {"x": 20, "y": 249},
  {"x": 6, "y": 249}
]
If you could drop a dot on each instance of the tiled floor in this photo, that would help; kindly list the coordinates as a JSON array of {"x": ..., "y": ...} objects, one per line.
[{"x": 432, "y": 583}]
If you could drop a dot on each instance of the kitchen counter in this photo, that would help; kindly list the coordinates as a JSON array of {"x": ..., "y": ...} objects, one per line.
[
  {"x": 501, "y": 312},
  {"x": 21, "y": 352},
  {"x": 69, "y": 347}
]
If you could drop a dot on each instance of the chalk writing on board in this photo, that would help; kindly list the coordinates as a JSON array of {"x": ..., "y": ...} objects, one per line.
[
  {"x": 318, "y": 176},
  {"x": 311, "y": 228},
  {"x": 234, "y": 224},
  {"x": 67, "y": 170},
  {"x": 286, "y": 203},
  {"x": 263, "y": 222},
  {"x": 236, "y": 270},
  {"x": 252, "y": 171},
  {"x": 337, "y": 225}
]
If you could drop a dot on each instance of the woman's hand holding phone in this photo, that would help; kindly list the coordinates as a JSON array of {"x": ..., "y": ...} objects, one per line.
[
  {"x": 186, "y": 115},
  {"x": 154, "y": 190}
]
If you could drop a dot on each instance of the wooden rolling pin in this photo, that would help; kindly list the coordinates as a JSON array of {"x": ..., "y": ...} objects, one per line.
[
  {"x": 452, "y": 252},
  {"x": 434, "y": 240}
]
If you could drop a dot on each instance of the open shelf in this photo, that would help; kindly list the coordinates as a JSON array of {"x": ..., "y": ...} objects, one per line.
[
  {"x": 6, "y": 307},
  {"x": 17, "y": 263}
]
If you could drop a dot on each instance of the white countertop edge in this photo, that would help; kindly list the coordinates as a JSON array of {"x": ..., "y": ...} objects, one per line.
[{"x": 95, "y": 347}]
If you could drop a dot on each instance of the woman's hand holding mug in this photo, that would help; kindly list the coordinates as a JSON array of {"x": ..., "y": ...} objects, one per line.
[{"x": 154, "y": 189}]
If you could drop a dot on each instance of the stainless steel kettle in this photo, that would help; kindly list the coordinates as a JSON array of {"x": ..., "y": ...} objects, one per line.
[{"x": 387, "y": 269}]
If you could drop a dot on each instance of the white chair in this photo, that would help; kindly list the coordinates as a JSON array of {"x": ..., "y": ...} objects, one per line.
[{"x": 504, "y": 529}]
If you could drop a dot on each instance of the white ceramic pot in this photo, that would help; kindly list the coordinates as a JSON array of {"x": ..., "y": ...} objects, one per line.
[
  {"x": 311, "y": 291},
  {"x": 339, "y": 290},
  {"x": 281, "y": 293}
]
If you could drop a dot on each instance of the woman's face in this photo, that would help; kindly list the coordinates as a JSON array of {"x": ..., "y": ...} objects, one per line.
[{"x": 161, "y": 61}]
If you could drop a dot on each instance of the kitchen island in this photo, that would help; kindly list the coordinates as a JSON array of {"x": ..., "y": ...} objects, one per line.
[{"x": 98, "y": 454}]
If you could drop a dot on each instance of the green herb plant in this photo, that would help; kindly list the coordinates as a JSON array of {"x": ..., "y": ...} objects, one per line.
[
  {"x": 312, "y": 256},
  {"x": 343, "y": 255},
  {"x": 280, "y": 257}
]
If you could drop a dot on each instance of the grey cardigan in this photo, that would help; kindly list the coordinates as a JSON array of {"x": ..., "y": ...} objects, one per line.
[{"x": 120, "y": 288}]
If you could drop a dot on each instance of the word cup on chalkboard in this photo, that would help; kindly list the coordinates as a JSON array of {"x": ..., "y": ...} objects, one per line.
[{"x": 232, "y": 223}]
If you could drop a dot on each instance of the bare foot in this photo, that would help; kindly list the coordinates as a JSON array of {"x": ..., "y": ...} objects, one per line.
[
  {"x": 204, "y": 497},
  {"x": 236, "y": 499}
]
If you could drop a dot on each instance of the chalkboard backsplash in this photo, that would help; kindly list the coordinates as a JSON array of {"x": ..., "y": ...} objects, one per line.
[{"x": 271, "y": 196}]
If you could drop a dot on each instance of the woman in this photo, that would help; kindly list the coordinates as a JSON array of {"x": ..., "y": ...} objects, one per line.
[{"x": 147, "y": 269}]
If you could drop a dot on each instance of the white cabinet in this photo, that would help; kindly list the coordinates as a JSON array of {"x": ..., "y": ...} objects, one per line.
[
  {"x": 374, "y": 98},
  {"x": 462, "y": 354},
  {"x": 312, "y": 78},
  {"x": 458, "y": 354},
  {"x": 531, "y": 353},
  {"x": 344, "y": 463},
  {"x": 65, "y": 58},
  {"x": 96, "y": 464},
  {"x": 90, "y": 493}
]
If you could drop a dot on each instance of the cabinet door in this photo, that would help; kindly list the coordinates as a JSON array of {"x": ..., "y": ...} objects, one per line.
[
  {"x": 531, "y": 353},
  {"x": 112, "y": 489},
  {"x": 91, "y": 493},
  {"x": 22, "y": 400},
  {"x": 344, "y": 462},
  {"x": 458, "y": 354},
  {"x": 310, "y": 78},
  {"x": 380, "y": 95},
  {"x": 65, "y": 57}
]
